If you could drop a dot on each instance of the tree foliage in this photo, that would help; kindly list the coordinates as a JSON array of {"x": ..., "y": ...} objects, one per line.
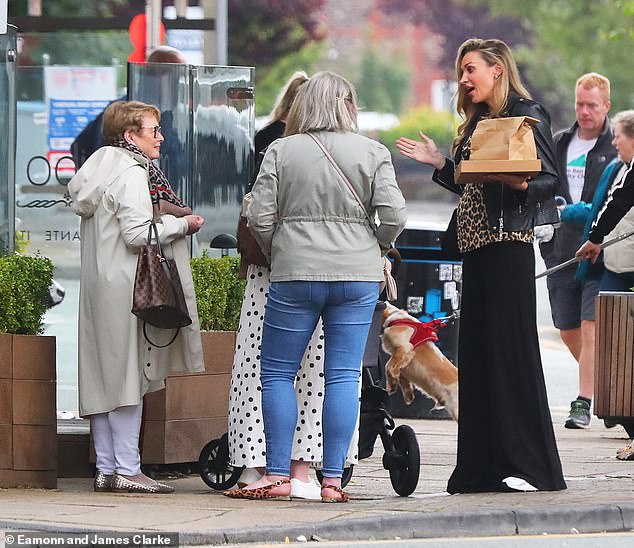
[
  {"x": 440, "y": 126},
  {"x": 262, "y": 31},
  {"x": 383, "y": 82},
  {"x": 270, "y": 81},
  {"x": 553, "y": 42},
  {"x": 573, "y": 37},
  {"x": 456, "y": 21}
]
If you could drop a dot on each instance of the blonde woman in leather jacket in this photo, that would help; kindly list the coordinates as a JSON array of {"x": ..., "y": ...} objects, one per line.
[{"x": 505, "y": 435}]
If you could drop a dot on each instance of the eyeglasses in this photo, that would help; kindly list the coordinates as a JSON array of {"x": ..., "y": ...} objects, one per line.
[{"x": 156, "y": 130}]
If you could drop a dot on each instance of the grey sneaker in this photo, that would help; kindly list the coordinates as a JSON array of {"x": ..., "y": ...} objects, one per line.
[{"x": 579, "y": 416}]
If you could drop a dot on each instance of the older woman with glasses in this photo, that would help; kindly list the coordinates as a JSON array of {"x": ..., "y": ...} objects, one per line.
[{"x": 117, "y": 193}]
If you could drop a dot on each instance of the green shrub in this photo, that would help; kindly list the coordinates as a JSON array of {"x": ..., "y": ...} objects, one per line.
[
  {"x": 440, "y": 126},
  {"x": 24, "y": 283},
  {"x": 219, "y": 292}
]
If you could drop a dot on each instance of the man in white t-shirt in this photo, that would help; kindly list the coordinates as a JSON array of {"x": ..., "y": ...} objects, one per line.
[{"x": 583, "y": 151}]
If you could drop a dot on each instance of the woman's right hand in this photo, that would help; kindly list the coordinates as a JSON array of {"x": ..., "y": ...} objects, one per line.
[
  {"x": 194, "y": 223},
  {"x": 424, "y": 151},
  {"x": 589, "y": 250}
]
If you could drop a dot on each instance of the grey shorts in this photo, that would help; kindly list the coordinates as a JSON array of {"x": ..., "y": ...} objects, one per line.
[{"x": 571, "y": 300}]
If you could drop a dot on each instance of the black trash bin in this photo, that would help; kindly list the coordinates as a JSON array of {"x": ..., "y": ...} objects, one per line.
[{"x": 429, "y": 287}]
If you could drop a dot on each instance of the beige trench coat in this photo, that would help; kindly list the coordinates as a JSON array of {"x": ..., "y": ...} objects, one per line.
[{"x": 116, "y": 364}]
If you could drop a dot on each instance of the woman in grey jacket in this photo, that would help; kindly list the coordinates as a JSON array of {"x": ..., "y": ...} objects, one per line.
[{"x": 326, "y": 261}]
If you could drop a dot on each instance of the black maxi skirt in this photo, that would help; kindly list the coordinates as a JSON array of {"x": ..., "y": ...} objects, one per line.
[{"x": 504, "y": 426}]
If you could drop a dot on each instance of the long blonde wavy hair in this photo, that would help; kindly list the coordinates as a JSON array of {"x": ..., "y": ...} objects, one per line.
[{"x": 494, "y": 52}]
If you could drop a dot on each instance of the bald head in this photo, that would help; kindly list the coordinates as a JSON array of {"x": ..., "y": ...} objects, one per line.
[{"x": 166, "y": 54}]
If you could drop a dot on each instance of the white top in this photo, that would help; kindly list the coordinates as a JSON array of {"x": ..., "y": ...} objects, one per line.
[{"x": 576, "y": 164}]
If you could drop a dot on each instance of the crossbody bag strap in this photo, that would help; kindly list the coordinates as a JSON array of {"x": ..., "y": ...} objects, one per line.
[
  {"x": 343, "y": 177},
  {"x": 389, "y": 284}
]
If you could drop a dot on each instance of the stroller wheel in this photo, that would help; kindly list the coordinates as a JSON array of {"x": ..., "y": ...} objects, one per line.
[
  {"x": 405, "y": 464},
  {"x": 345, "y": 478},
  {"x": 214, "y": 466}
]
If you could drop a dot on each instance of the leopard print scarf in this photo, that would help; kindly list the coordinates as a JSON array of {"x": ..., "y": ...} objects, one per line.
[{"x": 160, "y": 188}]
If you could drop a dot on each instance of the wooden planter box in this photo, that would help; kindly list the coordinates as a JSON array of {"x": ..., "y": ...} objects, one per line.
[
  {"x": 614, "y": 356},
  {"x": 28, "y": 420},
  {"x": 193, "y": 408}
]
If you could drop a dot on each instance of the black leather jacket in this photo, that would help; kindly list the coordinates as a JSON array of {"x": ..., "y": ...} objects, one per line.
[
  {"x": 514, "y": 210},
  {"x": 569, "y": 236}
]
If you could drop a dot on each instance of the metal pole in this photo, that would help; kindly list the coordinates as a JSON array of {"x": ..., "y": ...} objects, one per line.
[
  {"x": 222, "y": 16},
  {"x": 574, "y": 260},
  {"x": 215, "y": 52},
  {"x": 181, "y": 8},
  {"x": 153, "y": 14}
]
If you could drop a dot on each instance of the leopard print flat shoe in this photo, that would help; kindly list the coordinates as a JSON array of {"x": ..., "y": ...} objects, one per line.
[
  {"x": 259, "y": 493},
  {"x": 345, "y": 497}
]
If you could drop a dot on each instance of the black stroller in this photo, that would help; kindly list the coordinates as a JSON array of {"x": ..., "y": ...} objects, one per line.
[{"x": 401, "y": 457}]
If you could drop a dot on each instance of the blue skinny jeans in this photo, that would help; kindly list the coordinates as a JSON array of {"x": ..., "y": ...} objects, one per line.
[{"x": 292, "y": 311}]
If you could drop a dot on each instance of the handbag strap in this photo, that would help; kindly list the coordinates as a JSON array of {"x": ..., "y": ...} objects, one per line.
[
  {"x": 153, "y": 233},
  {"x": 147, "y": 338},
  {"x": 343, "y": 177},
  {"x": 389, "y": 284}
]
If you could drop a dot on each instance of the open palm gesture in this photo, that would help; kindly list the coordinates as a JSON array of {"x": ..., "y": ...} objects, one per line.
[{"x": 424, "y": 151}]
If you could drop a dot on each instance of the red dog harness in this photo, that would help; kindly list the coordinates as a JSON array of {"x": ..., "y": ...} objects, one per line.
[{"x": 423, "y": 331}]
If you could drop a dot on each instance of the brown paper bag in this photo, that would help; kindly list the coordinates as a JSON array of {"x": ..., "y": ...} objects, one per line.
[
  {"x": 501, "y": 145},
  {"x": 504, "y": 139}
]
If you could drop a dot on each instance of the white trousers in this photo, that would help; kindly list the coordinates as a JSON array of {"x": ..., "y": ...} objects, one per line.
[{"x": 116, "y": 438}]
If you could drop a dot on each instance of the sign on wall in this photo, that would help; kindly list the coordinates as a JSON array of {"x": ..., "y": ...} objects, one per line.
[{"x": 74, "y": 97}]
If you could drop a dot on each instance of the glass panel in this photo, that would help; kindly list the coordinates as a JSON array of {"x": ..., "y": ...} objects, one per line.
[
  {"x": 209, "y": 119},
  {"x": 167, "y": 87},
  {"x": 7, "y": 145},
  {"x": 223, "y": 129},
  {"x": 53, "y": 104}
]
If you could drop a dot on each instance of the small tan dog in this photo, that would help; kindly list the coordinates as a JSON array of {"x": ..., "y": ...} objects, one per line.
[{"x": 416, "y": 360}]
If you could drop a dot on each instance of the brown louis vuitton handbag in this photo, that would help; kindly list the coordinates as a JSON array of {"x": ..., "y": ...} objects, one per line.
[{"x": 158, "y": 297}]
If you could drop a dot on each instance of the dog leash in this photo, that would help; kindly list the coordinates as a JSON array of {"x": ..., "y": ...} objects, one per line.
[{"x": 574, "y": 260}]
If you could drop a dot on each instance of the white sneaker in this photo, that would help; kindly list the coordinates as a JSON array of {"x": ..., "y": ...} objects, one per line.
[
  {"x": 518, "y": 484},
  {"x": 248, "y": 476},
  {"x": 305, "y": 490}
]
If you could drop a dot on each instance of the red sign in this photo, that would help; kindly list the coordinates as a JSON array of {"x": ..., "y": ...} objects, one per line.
[{"x": 138, "y": 31}]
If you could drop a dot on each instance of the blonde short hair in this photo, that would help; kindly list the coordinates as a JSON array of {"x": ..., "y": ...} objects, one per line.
[
  {"x": 121, "y": 116},
  {"x": 327, "y": 102},
  {"x": 594, "y": 79}
]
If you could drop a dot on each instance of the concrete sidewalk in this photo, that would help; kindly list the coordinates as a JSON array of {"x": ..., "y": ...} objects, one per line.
[{"x": 600, "y": 497}]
